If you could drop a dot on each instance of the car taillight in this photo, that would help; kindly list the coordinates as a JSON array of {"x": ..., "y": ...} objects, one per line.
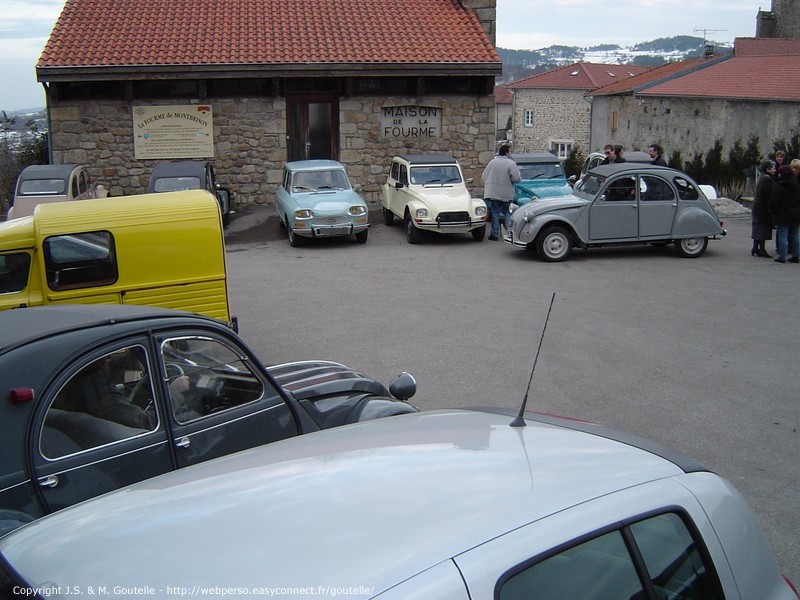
[{"x": 20, "y": 395}]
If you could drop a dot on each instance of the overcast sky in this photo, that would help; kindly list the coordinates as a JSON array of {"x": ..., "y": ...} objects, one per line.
[{"x": 522, "y": 24}]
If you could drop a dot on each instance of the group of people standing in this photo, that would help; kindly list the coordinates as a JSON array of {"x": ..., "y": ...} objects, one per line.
[{"x": 776, "y": 204}]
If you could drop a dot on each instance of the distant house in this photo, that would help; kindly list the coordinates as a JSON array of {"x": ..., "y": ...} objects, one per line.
[
  {"x": 550, "y": 110},
  {"x": 253, "y": 84},
  {"x": 503, "y": 101},
  {"x": 754, "y": 92}
]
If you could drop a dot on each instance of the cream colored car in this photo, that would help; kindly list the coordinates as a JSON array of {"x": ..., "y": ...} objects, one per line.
[
  {"x": 427, "y": 192},
  {"x": 40, "y": 184}
]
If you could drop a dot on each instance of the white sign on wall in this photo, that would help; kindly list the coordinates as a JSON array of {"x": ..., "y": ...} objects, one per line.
[
  {"x": 411, "y": 121},
  {"x": 173, "y": 131}
]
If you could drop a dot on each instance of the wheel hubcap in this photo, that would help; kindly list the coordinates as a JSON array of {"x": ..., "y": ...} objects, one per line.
[{"x": 554, "y": 245}]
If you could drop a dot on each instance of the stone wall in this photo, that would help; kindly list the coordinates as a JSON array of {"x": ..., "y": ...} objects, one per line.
[
  {"x": 689, "y": 125},
  {"x": 557, "y": 115},
  {"x": 250, "y": 141}
]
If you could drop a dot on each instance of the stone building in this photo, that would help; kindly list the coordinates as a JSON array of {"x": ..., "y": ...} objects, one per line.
[
  {"x": 781, "y": 21},
  {"x": 550, "y": 111},
  {"x": 253, "y": 84},
  {"x": 688, "y": 106}
]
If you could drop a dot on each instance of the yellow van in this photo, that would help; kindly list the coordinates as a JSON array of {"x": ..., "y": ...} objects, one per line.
[{"x": 164, "y": 250}]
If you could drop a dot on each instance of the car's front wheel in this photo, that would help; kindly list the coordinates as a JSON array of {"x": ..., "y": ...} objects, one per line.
[
  {"x": 479, "y": 233},
  {"x": 294, "y": 239},
  {"x": 413, "y": 234},
  {"x": 361, "y": 236},
  {"x": 388, "y": 217},
  {"x": 554, "y": 244},
  {"x": 691, "y": 247}
]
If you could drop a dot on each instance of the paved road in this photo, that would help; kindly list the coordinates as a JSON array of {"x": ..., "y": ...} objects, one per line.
[{"x": 699, "y": 354}]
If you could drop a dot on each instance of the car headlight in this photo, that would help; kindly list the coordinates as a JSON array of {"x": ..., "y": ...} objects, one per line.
[
  {"x": 421, "y": 213},
  {"x": 304, "y": 213},
  {"x": 357, "y": 211},
  {"x": 481, "y": 211}
]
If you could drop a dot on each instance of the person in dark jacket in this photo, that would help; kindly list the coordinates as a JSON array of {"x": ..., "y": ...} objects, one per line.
[
  {"x": 618, "y": 152},
  {"x": 785, "y": 207},
  {"x": 657, "y": 154},
  {"x": 761, "y": 230}
]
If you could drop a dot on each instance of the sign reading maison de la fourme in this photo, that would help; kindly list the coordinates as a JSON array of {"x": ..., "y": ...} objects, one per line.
[{"x": 411, "y": 122}]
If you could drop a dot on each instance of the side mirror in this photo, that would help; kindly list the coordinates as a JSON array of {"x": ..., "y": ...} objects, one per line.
[
  {"x": 470, "y": 180},
  {"x": 403, "y": 387},
  {"x": 399, "y": 185},
  {"x": 357, "y": 188}
]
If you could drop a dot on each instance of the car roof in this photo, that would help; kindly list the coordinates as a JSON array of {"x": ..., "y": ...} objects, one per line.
[
  {"x": 47, "y": 171},
  {"x": 376, "y": 502},
  {"x": 614, "y": 168},
  {"x": 428, "y": 159},
  {"x": 314, "y": 165},
  {"x": 535, "y": 157},
  {"x": 25, "y": 325},
  {"x": 180, "y": 168}
]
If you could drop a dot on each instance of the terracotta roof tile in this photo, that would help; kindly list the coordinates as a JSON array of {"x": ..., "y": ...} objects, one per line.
[
  {"x": 579, "y": 76},
  {"x": 502, "y": 95},
  {"x": 759, "y": 69},
  {"x": 656, "y": 74},
  {"x": 201, "y": 32}
]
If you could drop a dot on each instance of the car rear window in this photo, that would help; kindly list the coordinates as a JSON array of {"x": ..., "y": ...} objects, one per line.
[
  {"x": 42, "y": 187},
  {"x": 176, "y": 184}
]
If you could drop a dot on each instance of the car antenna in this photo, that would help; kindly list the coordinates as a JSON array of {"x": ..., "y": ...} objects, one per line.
[{"x": 519, "y": 420}]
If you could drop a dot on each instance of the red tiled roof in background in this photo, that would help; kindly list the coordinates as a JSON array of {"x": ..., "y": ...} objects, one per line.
[
  {"x": 201, "y": 32},
  {"x": 502, "y": 95},
  {"x": 579, "y": 76},
  {"x": 761, "y": 69},
  {"x": 659, "y": 73}
]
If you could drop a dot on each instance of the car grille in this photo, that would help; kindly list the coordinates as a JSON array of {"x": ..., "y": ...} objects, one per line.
[{"x": 453, "y": 217}]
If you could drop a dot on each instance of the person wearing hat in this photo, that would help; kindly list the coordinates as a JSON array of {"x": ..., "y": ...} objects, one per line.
[
  {"x": 784, "y": 204},
  {"x": 761, "y": 229}
]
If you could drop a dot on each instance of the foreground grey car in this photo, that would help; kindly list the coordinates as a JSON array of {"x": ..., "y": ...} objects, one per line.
[
  {"x": 453, "y": 505},
  {"x": 619, "y": 204}
]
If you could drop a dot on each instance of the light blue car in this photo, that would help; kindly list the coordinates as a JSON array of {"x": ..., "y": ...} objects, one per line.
[
  {"x": 542, "y": 177},
  {"x": 315, "y": 200}
]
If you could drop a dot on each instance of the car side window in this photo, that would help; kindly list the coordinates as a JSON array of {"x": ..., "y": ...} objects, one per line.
[
  {"x": 108, "y": 400},
  {"x": 403, "y": 175},
  {"x": 607, "y": 567},
  {"x": 14, "y": 270},
  {"x": 600, "y": 569},
  {"x": 654, "y": 189},
  {"x": 74, "y": 187},
  {"x": 395, "y": 171},
  {"x": 622, "y": 189},
  {"x": 79, "y": 260},
  {"x": 206, "y": 376},
  {"x": 686, "y": 191},
  {"x": 673, "y": 559}
]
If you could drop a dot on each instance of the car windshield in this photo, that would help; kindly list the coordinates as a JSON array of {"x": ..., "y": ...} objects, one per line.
[
  {"x": 176, "y": 184},
  {"x": 438, "y": 174},
  {"x": 314, "y": 181},
  {"x": 541, "y": 171},
  {"x": 589, "y": 186},
  {"x": 42, "y": 187}
]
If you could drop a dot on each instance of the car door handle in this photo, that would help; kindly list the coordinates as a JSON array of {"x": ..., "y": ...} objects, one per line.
[
  {"x": 184, "y": 442},
  {"x": 50, "y": 481}
]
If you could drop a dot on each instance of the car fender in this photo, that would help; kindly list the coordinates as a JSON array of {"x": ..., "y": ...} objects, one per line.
[
  {"x": 541, "y": 222},
  {"x": 693, "y": 221},
  {"x": 413, "y": 204}
]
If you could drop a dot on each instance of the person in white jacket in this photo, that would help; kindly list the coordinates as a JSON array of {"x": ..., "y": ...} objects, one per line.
[{"x": 499, "y": 178}]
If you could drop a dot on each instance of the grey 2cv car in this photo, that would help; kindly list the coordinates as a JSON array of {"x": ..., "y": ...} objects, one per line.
[
  {"x": 619, "y": 204},
  {"x": 94, "y": 398}
]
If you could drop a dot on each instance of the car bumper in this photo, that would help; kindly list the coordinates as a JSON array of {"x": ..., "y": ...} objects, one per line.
[
  {"x": 450, "y": 226},
  {"x": 315, "y": 230},
  {"x": 510, "y": 238}
]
